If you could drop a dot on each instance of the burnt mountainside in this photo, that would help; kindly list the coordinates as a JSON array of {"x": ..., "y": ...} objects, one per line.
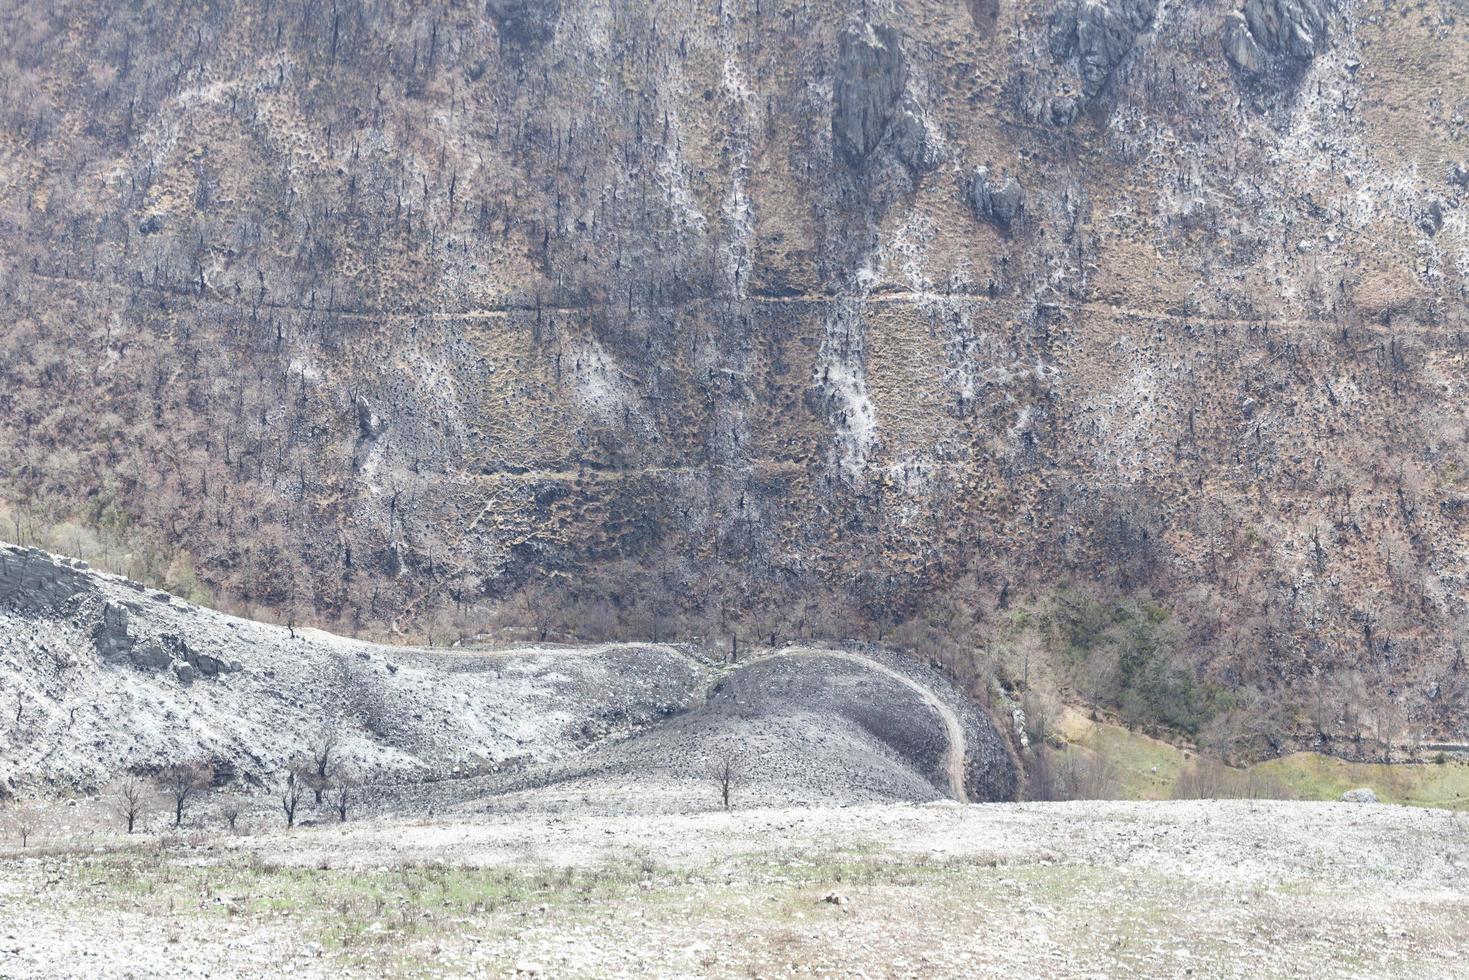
[{"x": 1121, "y": 325}]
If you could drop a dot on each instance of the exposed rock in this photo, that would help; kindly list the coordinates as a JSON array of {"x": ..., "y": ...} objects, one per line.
[
  {"x": 1360, "y": 795},
  {"x": 1459, "y": 174},
  {"x": 1431, "y": 220},
  {"x": 871, "y": 74},
  {"x": 368, "y": 422},
  {"x": 984, "y": 13},
  {"x": 995, "y": 199},
  {"x": 1099, "y": 34},
  {"x": 910, "y": 138},
  {"x": 110, "y": 635},
  {"x": 31, "y": 579},
  {"x": 525, "y": 23},
  {"x": 185, "y": 673},
  {"x": 1279, "y": 36},
  {"x": 151, "y": 655}
]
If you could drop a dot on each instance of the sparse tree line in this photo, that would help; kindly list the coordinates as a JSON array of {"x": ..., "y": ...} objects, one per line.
[
  {"x": 318, "y": 781},
  {"x": 317, "y": 776}
]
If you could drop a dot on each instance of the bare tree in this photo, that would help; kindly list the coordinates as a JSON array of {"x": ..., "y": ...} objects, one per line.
[
  {"x": 344, "y": 794},
  {"x": 726, "y": 770},
  {"x": 323, "y": 754},
  {"x": 24, "y": 822},
  {"x": 183, "y": 781},
  {"x": 232, "y": 813},
  {"x": 291, "y": 793},
  {"x": 128, "y": 800}
]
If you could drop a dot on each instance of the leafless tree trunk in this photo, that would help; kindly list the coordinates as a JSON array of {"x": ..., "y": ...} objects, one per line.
[
  {"x": 726, "y": 771},
  {"x": 129, "y": 802},
  {"x": 183, "y": 781},
  {"x": 323, "y": 753},
  {"x": 343, "y": 795},
  {"x": 291, "y": 796}
]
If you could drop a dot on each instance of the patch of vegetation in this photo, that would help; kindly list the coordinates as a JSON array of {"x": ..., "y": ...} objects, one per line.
[
  {"x": 1311, "y": 776},
  {"x": 1123, "y": 654},
  {"x": 106, "y": 537},
  {"x": 1147, "y": 768}
]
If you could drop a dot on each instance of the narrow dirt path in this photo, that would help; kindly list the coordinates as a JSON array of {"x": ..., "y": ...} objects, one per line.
[{"x": 958, "y": 748}]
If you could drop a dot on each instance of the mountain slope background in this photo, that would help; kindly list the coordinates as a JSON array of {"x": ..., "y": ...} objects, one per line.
[{"x": 1111, "y": 347}]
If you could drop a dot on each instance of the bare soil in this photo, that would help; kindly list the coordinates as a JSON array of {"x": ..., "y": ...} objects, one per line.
[{"x": 891, "y": 890}]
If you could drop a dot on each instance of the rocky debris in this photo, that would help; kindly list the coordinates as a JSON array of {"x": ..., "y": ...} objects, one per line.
[
  {"x": 871, "y": 75},
  {"x": 996, "y": 199},
  {"x": 1431, "y": 220},
  {"x": 1359, "y": 795},
  {"x": 1459, "y": 174},
  {"x": 1098, "y": 34},
  {"x": 1275, "y": 36},
  {"x": 525, "y": 23}
]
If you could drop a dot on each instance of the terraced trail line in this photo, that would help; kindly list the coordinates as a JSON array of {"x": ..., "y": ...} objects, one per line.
[{"x": 958, "y": 748}]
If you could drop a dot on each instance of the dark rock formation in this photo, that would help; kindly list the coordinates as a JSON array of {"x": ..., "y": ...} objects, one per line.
[
  {"x": 1275, "y": 36},
  {"x": 910, "y": 138},
  {"x": 871, "y": 74},
  {"x": 110, "y": 635},
  {"x": 1099, "y": 35},
  {"x": 150, "y": 655},
  {"x": 368, "y": 422},
  {"x": 525, "y": 23},
  {"x": 994, "y": 198},
  {"x": 30, "y": 579}
]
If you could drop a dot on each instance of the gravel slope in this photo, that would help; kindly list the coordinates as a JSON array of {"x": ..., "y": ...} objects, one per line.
[{"x": 110, "y": 678}]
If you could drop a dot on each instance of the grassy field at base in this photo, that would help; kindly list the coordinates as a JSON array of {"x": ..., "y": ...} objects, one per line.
[{"x": 1146, "y": 768}]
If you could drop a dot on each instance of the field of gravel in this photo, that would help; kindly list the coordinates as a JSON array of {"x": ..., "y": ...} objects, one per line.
[{"x": 893, "y": 890}]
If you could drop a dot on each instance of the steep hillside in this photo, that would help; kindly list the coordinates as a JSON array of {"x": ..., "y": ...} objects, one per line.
[{"x": 367, "y": 310}]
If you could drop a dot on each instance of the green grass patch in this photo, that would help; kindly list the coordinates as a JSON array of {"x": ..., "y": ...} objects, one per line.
[
  {"x": 1312, "y": 776},
  {"x": 1147, "y": 768}
]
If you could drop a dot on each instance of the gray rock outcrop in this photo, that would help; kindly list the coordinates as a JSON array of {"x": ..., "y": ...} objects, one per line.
[
  {"x": 110, "y": 635},
  {"x": 871, "y": 75},
  {"x": 31, "y": 579},
  {"x": 1099, "y": 34},
  {"x": 1360, "y": 795},
  {"x": 910, "y": 140},
  {"x": 996, "y": 199},
  {"x": 150, "y": 655},
  {"x": 1275, "y": 36}
]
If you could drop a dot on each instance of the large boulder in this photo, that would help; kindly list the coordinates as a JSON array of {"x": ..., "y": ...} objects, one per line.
[
  {"x": 1275, "y": 36},
  {"x": 871, "y": 75},
  {"x": 110, "y": 635},
  {"x": 151, "y": 655},
  {"x": 1359, "y": 795},
  {"x": 996, "y": 199},
  {"x": 910, "y": 140}
]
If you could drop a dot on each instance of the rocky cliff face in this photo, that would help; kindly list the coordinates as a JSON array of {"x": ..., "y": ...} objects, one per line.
[{"x": 388, "y": 305}]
